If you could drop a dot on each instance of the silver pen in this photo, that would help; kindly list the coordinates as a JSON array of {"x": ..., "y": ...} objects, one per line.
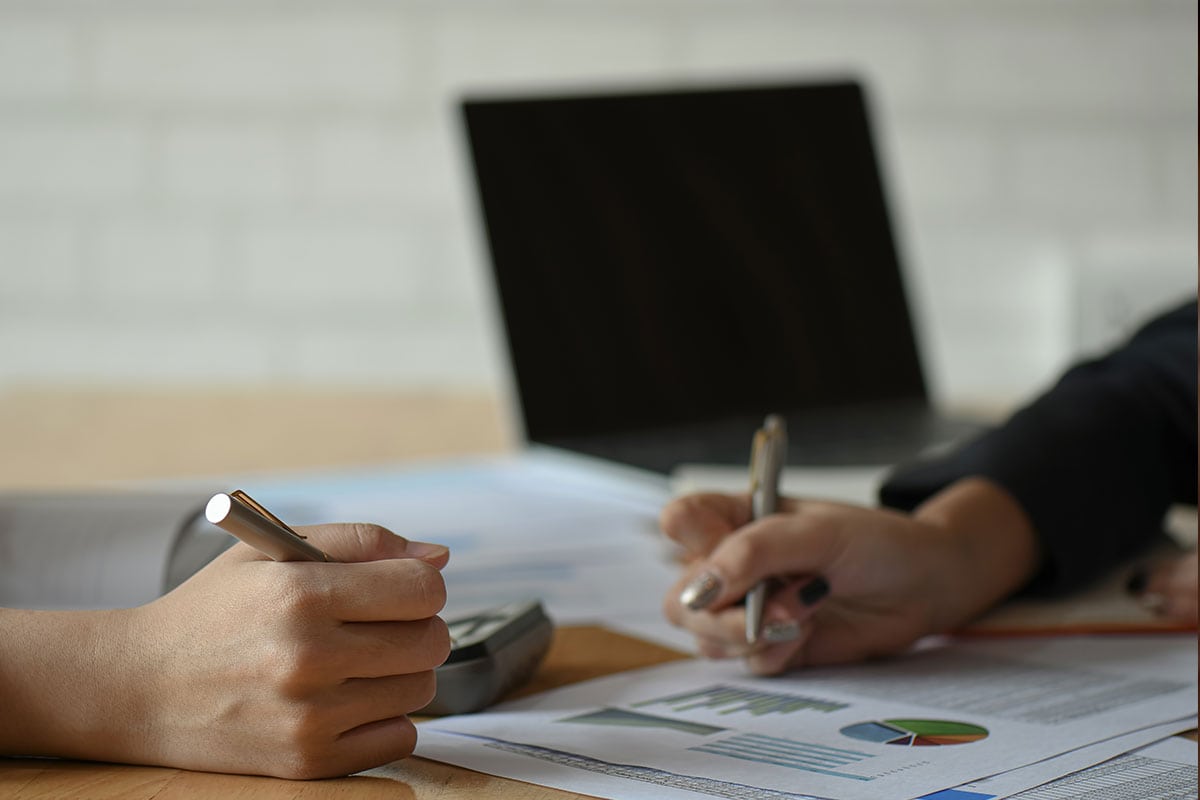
[
  {"x": 767, "y": 457},
  {"x": 239, "y": 514}
]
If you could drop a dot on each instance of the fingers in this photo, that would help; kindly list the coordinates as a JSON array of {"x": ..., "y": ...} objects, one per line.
[
  {"x": 698, "y": 521},
  {"x": 787, "y": 625},
  {"x": 375, "y": 743},
  {"x": 378, "y": 649},
  {"x": 359, "y": 541},
  {"x": 772, "y": 659},
  {"x": 361, "y": 701},
  {"x": 331, "y": 755},
  {"x": 371, "y": 591},
  {"x": 791, "y": 544}
]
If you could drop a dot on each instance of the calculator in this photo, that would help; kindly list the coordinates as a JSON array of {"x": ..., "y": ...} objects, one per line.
[{"x": 491, "y": 652}]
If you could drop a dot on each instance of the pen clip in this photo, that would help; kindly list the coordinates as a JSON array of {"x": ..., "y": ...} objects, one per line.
[
  {"x": 257, "y": 508},
  {"x": 767, "y": 455},
  {"x": 758, "y": 450}
]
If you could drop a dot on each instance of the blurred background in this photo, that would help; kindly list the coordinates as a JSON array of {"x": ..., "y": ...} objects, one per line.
[{"x": 258, "y": 193}]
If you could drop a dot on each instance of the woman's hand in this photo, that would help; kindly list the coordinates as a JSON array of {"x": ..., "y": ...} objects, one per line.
[
  {"x": 848, "y": 582},
  {"x": 291, "y": 669},
  {"x": 1169, "y": 588}
]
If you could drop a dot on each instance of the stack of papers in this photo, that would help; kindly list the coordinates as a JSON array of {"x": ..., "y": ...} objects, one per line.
[
  {"x": 973, "y": 720},
  {"x": 954, "y": 722}
]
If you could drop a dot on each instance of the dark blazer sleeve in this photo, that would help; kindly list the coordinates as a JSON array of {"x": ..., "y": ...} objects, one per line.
[{"x": 1096, "y": 461}]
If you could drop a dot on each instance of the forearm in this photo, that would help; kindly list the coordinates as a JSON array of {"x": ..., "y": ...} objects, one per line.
[
  {"x": 64, "y": 684},
  {"x": 990, "y": 547},
  {"x": 1095, "y": 462}
]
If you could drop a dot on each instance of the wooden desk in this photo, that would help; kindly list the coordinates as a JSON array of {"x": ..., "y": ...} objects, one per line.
[
  {"x": 60, "y": 439},
  {"x": 57, "y": 438},
  {"x": 80, "y": 438}
]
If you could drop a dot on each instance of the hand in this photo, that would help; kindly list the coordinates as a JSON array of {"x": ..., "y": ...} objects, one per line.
[
  {"x": 1169, "y": 588},
  {"x": 295, "y": 669},
  {"x": 850, "y": 582}
]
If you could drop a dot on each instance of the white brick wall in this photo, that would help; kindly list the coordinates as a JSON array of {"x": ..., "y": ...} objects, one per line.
[
  {"x": 229, "y": 165},
  {"x": 38, "y": 60},
  {"x": 68, "y": 160},
  {"x": 246, "y": 190},
  {"x": 251, "y": 56}
]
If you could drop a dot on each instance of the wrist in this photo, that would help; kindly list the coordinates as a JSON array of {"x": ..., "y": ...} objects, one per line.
[
  {"x": 65, "y": 679},
  {"x": 989, "y": 544}
]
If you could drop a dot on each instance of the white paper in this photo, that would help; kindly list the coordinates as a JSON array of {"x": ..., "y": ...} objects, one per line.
[
  {"x": 1163, "y": 771},
  {"x": 855, "y": 484},
  {"x": 1042, "y": 773},
  {"x": 820, "y": 732},
  {"x": 581, "y": 536}
]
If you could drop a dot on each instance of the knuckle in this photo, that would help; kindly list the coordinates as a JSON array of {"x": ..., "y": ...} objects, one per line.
[
  {"x": 300, "y": 598},
  {"x": 369, "y": 534},
  {"x": 741, "y": 554},
  {"x": 308, "y": 656},
  {"x": 428, "y": 587},
  {"x": 671, "y": 514},
  {"x": 405, "y": 741},
  {"x": 682, "y": 512},
  {"x": 306, "y": 764},
  {"x": 291, "y": 664},
  {"x": 439, "y": 643},
  {"x": 281, "y": 668},
  {"x": 422, "y": 689},
  {"x": 300, "y": 744}
]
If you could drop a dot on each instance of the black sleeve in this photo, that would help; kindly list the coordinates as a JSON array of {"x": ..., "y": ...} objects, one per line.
[{"x": 1096, "y": 461}]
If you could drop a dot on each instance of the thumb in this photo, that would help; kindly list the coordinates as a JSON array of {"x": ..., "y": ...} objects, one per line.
[
  {"x": 779, "y": 546},
  {"x": 361, "y": 541}
]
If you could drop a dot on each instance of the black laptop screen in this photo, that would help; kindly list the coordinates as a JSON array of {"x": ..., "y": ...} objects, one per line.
[{"x": 675, "y": 257}]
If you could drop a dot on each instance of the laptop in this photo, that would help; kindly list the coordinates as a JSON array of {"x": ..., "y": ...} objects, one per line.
[{"x": 671, "y": 266}]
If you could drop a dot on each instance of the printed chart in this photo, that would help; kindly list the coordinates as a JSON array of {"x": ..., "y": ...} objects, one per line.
[
  {"x": 780, "y": 752},
  {"x": 916, "y": 732},
  {"x": 732, "y": 699},
  {"x": 632, "y": 719}
]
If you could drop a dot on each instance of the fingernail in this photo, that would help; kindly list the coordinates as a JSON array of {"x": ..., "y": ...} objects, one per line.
[
  {"x": 425, "y": 549},
  {"x": 1137, "y": 582},
  {"x": 701, "y": 591},
  {"x": 813, "y": 591},
  {"x": 781, "y": 631}
]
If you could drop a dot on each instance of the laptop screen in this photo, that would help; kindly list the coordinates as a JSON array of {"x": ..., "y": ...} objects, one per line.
[{"x": 683, "y": 256}]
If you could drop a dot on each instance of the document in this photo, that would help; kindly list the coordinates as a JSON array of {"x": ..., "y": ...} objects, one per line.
[
  {"x": 579, "y": 534},
  {"x": 1057, "y": 773},
  {"x": 1165, "y": 770},
  {"x": 900, "y": 728}
]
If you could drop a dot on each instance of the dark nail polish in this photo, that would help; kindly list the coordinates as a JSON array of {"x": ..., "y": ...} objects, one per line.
[
  {"x": 1137, "y": 582},
  {"x": 813, "y": 591}
]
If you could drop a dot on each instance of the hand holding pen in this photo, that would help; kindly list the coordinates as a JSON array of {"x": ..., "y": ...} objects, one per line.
[
  {"x": 846, "y": 582},
  {"x": 300, "y": 656}
]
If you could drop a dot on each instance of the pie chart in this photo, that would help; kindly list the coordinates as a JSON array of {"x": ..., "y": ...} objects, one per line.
[{"x": 916, "y": 732}]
